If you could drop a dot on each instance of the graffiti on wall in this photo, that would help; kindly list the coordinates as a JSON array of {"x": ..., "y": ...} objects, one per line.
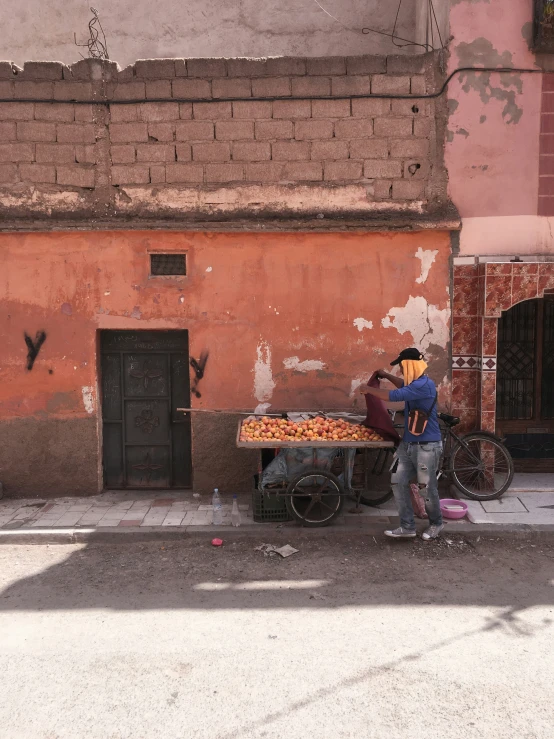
[
  {"x": 199, "y": 367},
  {"x": 33, "y": 347}
]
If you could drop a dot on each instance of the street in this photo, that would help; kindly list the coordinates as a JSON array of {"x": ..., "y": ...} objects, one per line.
[{"x": 350, "y": 637}]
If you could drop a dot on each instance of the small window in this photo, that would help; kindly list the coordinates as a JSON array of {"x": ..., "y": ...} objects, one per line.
[{"x": 168, "y": 264}]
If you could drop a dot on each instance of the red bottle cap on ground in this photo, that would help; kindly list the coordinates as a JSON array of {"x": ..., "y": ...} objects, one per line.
[{"x": 217, "y": 542}]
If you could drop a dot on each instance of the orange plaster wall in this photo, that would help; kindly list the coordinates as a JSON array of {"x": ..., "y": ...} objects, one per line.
[{"x": 247, "y": 298}]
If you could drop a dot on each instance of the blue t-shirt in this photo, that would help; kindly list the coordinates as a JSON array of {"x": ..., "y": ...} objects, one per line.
[{"x": 419, "y": 394}]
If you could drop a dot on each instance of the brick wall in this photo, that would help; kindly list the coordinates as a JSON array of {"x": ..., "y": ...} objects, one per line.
[{"x": 187, "y": 130}]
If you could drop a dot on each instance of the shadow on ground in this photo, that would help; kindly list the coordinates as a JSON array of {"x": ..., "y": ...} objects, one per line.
[{"x": 327, "y": 572}]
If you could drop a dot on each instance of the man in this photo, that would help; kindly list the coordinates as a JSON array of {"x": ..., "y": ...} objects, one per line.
[{"x": 418, "y": 455}]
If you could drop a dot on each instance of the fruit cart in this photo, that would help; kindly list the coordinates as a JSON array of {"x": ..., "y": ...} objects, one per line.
[{"x": 314, "y": 473}]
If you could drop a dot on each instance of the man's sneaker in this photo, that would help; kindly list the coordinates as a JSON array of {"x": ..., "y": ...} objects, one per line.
[
  {"x": 432, "y": 532},
  {"x": 400, "y": 533}
]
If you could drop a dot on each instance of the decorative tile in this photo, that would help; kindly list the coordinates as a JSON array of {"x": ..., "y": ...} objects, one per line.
[
  {"x": 499, "y": 295},
  {"x": 464, "y": 301},
  {"x": 527, "y": 268},
  {"x": 488, "y": 392},
  {"x": 468, "y": 419},
  {"x": 465, "y": 270},
  {"x": 481, "y": 296},
  {"x": 488, "y": 421},
  {"x": 488, "y": 364},
  {"x": 546, "y": 282},
  {"x": 466, "y": 362},
  {"x": 464, "y": 335},
  {"x": 546, "y": 268},
  {"x": 464, "y": 388},
  {"x": 490, "y": 333},
  {"x": 499, "y": 268},
  {"x": 524, "y": 287}
]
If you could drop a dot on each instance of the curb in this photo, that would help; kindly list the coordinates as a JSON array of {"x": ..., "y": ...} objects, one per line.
[{"x": 131, "y": 535}]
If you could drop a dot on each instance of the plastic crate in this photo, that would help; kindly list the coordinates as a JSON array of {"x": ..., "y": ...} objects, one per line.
[{"x": 268, "y": 507}]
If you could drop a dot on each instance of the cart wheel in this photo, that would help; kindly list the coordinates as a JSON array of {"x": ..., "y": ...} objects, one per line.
[{"x": 315, "y": 499}]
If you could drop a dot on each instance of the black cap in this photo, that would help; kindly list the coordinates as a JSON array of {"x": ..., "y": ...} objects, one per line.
[{"x": 407, "y": 354}]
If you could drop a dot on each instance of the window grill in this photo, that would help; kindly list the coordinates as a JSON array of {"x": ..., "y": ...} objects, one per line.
[
  {"x": 168, "y": 264},
  {"x": 543, "y": 26}
]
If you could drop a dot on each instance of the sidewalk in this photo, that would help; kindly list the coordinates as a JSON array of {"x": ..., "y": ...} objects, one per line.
[
  {"x": 527, "y": 506},
  {"x": 530, "y": 500}
]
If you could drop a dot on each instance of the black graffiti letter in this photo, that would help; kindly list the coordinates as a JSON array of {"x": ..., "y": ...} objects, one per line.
[
  {"x": 34, "y": 347},
  {"x": 199, "y": 367}
]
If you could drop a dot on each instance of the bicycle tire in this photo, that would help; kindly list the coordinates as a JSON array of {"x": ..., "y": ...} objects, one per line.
[
  {"x": 376, "y": 501},
  {"x": 479, "y": 476},
  {"x": 298, "y": 503}
]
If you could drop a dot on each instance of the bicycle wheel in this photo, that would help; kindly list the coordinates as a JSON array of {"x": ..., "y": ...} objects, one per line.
[
  {"x": 481, "y": 467},
  {"x": 314, "y": 498}
]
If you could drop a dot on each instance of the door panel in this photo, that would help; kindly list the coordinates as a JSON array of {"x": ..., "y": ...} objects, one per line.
[
  {"x": 146, "y": 375},
  {"x": 148, "y": 467},
  {"x": 147, "y": 421},
  {"x": 145, "y": 378}
]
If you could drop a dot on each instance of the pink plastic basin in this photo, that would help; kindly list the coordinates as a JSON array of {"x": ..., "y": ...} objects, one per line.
[{"x": 452, "y": 508}]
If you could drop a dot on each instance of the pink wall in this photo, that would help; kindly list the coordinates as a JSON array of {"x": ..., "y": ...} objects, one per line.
[{"x": 492, "y": 149}]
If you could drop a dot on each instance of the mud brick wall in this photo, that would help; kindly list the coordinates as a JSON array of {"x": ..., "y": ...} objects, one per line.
[{"x": 174, "y": 138}]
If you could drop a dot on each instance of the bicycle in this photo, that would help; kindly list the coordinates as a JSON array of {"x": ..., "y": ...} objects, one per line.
[{"x": 478, "y": 463}]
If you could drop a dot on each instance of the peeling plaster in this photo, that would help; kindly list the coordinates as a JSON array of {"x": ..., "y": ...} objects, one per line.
[
  {"x": 462, "y": 132},
  {"x": 357, "y": 381},
  {"x": 482, "y": 118},
  {"x": 263, "y": 375},
  {"x": 308, "y": 365},
  {"x": 427, "y": 257},
  {"x": 452, "y": 106},
  {"x": 361, "y": 323},
  {"x": 527, "y": 32},
  {"x": 88, "y": 399},
  {"x": 482, "y": 52},
  {"x": 426, "y": 323}
]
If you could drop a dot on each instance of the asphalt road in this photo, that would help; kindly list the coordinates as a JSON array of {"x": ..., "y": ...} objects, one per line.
[{"x": 351, "y": 637}]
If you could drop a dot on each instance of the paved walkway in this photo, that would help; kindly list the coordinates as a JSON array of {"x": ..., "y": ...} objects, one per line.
[
  {"x": 144, "y": 510},
  {"x": 530, "y": 501}
]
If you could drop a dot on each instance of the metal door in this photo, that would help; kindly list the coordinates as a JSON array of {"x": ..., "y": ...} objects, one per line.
[{"x": 145, "y": 378}]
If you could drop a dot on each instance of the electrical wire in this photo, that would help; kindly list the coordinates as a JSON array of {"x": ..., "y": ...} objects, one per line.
[
  {"x": 428, "y": 96},
  {"x": 393, "y": 36},
  {"x": 96, "y": 49}
]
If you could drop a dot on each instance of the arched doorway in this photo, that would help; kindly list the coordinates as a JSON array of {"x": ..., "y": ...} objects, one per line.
[{"x": 525, "y": 383}]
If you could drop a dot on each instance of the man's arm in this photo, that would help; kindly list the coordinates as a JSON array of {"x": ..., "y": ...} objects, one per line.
[
  {"x": 396, "y": 381},
  {"x": 382, "y": 394}
]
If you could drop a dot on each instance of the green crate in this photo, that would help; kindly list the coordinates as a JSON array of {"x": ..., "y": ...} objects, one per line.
[{"x": 267, "y": 507}]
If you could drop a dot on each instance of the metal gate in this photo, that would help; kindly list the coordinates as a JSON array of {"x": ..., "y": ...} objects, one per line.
[
  {"x": 524, "y": 385},
  {"x": 145, "y": 378}
]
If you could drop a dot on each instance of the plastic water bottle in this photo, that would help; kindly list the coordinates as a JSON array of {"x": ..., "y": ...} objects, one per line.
[
  {"x": 217, "y": 518},
  {"x": 235, "y": 513}
]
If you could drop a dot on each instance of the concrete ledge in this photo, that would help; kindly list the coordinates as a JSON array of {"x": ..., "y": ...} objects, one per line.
[{"x": 260, "y": 532}]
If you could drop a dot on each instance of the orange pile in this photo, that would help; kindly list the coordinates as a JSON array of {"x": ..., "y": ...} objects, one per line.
[{"x": 316, "y": 429}]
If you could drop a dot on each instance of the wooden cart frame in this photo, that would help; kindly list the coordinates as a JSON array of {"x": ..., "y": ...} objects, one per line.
[{"x": 316, "y": 496}]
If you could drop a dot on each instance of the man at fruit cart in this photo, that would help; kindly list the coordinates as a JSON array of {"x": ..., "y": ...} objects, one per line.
[{"x": 419, "y": 453}]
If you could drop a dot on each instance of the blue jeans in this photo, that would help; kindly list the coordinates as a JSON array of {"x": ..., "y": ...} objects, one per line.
[{"x": 419, "y": 461}]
